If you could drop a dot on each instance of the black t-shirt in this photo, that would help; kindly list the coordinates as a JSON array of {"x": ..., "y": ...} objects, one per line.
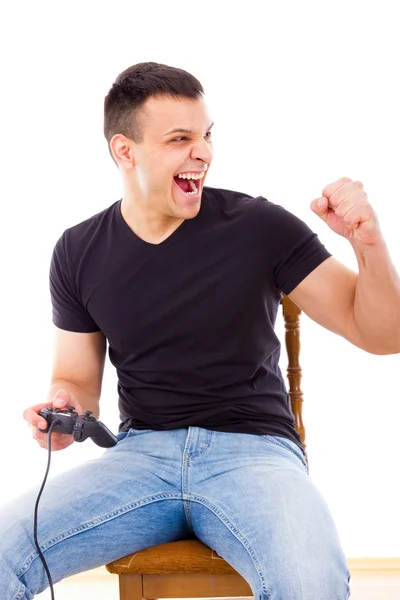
[{"x": 190, "y": 321}]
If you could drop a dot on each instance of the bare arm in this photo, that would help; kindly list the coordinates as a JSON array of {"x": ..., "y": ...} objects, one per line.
[
  {"x": 377, "y": 298},
  {"x": 76, "y": 380},
  {"x": 326, "y": 295},
  {"x": 86, "y": 400},
  {"x": 365, "y": 307}
]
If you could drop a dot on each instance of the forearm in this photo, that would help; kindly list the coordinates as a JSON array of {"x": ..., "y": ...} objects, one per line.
[
  {"x": 87, "y": 400},
  {"x": 377, "y": 298}
]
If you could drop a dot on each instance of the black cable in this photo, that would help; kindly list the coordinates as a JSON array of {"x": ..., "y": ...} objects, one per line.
[{"x": 46, "y": 568}]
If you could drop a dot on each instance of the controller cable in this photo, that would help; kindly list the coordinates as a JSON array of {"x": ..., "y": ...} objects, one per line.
[{"x": 46, "y": 568}]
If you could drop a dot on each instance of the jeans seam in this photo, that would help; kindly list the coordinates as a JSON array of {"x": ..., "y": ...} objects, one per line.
[
  {"x": 20, "y": 591},
  {"x": 185, "y": 485},
  {"x": 92, "y": 524},
  {"x": 239, "y": 536}
]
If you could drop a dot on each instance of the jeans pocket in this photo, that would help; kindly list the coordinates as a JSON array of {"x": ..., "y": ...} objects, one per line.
[{"x": 288, "y": 445}]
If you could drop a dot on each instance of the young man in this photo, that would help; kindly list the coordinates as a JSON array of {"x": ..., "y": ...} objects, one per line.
[{"x": 184, "y": 281}]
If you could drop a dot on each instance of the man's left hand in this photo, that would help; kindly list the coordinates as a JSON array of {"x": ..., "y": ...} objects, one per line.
[{"x": 345, "y": 208}]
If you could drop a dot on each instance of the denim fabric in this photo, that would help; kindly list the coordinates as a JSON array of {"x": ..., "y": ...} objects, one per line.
[{"x": 248, "y": 497}]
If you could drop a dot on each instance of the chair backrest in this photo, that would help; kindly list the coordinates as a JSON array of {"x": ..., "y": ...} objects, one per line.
[{"x": 291, "y": 317}]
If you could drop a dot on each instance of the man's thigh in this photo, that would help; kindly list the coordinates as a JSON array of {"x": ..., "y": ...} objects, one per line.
[
  {"x": 253, "y": 501},
  {"x": 128, "y": 499}
]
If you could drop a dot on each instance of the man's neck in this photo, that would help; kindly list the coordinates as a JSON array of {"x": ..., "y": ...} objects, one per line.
[{"x": 149, "y": 226}]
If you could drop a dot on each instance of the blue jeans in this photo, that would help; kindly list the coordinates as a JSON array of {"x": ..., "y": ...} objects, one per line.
[{"x": 248, "y": 497}]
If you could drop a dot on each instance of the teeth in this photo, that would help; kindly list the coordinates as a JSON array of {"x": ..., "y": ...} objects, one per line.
[{"x": 191, "y": 175}]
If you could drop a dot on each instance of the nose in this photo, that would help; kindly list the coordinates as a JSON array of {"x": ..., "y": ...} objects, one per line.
[{"x": 202, "y": 150}]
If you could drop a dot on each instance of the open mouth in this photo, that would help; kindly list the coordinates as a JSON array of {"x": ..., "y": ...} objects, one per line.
[{"x": 190, "y": 187}]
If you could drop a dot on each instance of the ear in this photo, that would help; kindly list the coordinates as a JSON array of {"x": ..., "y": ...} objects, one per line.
[{"x": 122, "y": 150}]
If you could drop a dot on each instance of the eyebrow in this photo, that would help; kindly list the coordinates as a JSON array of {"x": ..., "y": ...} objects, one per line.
[{"x": 181, "y": 130}]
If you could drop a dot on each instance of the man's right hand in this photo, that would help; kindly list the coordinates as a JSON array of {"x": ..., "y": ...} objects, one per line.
[{"x": 59, "y": 441}]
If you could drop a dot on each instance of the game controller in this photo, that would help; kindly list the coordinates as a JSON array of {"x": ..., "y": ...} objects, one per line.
[{"x": 80, "y": 426}]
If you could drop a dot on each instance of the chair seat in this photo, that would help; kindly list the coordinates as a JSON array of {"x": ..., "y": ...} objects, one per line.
[{"x": 183, "y": 557}]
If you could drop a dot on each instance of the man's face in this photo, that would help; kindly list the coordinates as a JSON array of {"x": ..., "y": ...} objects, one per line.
[{"x": 163, "y": 154}]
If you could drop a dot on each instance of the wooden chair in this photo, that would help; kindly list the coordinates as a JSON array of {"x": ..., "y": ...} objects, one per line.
[{"x": 188, "y": 568}]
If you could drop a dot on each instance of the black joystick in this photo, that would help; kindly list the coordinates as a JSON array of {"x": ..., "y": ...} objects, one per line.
[{"x": 81, "y": 426}]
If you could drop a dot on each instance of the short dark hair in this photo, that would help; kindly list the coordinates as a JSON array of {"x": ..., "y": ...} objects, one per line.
[{"x": 134, "y": 86}]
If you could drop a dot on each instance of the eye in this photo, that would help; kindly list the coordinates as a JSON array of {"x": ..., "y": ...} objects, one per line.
[{"x": 180, "y": 139}]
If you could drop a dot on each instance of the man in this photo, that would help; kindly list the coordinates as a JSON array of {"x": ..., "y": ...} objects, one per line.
[{"x": 184, "y": 281}]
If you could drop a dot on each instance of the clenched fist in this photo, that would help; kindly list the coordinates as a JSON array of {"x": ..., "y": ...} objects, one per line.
[{"x": 344, "y": 206}]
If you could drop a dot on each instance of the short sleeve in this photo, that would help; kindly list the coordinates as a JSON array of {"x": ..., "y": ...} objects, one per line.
[
  {"x": 295, "y": 250},
  {"x": 68, "y": 311}
]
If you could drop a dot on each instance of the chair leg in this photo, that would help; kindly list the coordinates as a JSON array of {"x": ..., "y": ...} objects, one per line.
[{"x": 130, "y": 587}]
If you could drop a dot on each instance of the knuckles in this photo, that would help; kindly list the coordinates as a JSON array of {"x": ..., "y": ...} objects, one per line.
[
  {"x": 358, "y": 184},
  {"x": 334, "y": 187}
]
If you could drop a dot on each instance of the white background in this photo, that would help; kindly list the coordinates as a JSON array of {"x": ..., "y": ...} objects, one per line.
[{"x": 301, "y": 93}]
